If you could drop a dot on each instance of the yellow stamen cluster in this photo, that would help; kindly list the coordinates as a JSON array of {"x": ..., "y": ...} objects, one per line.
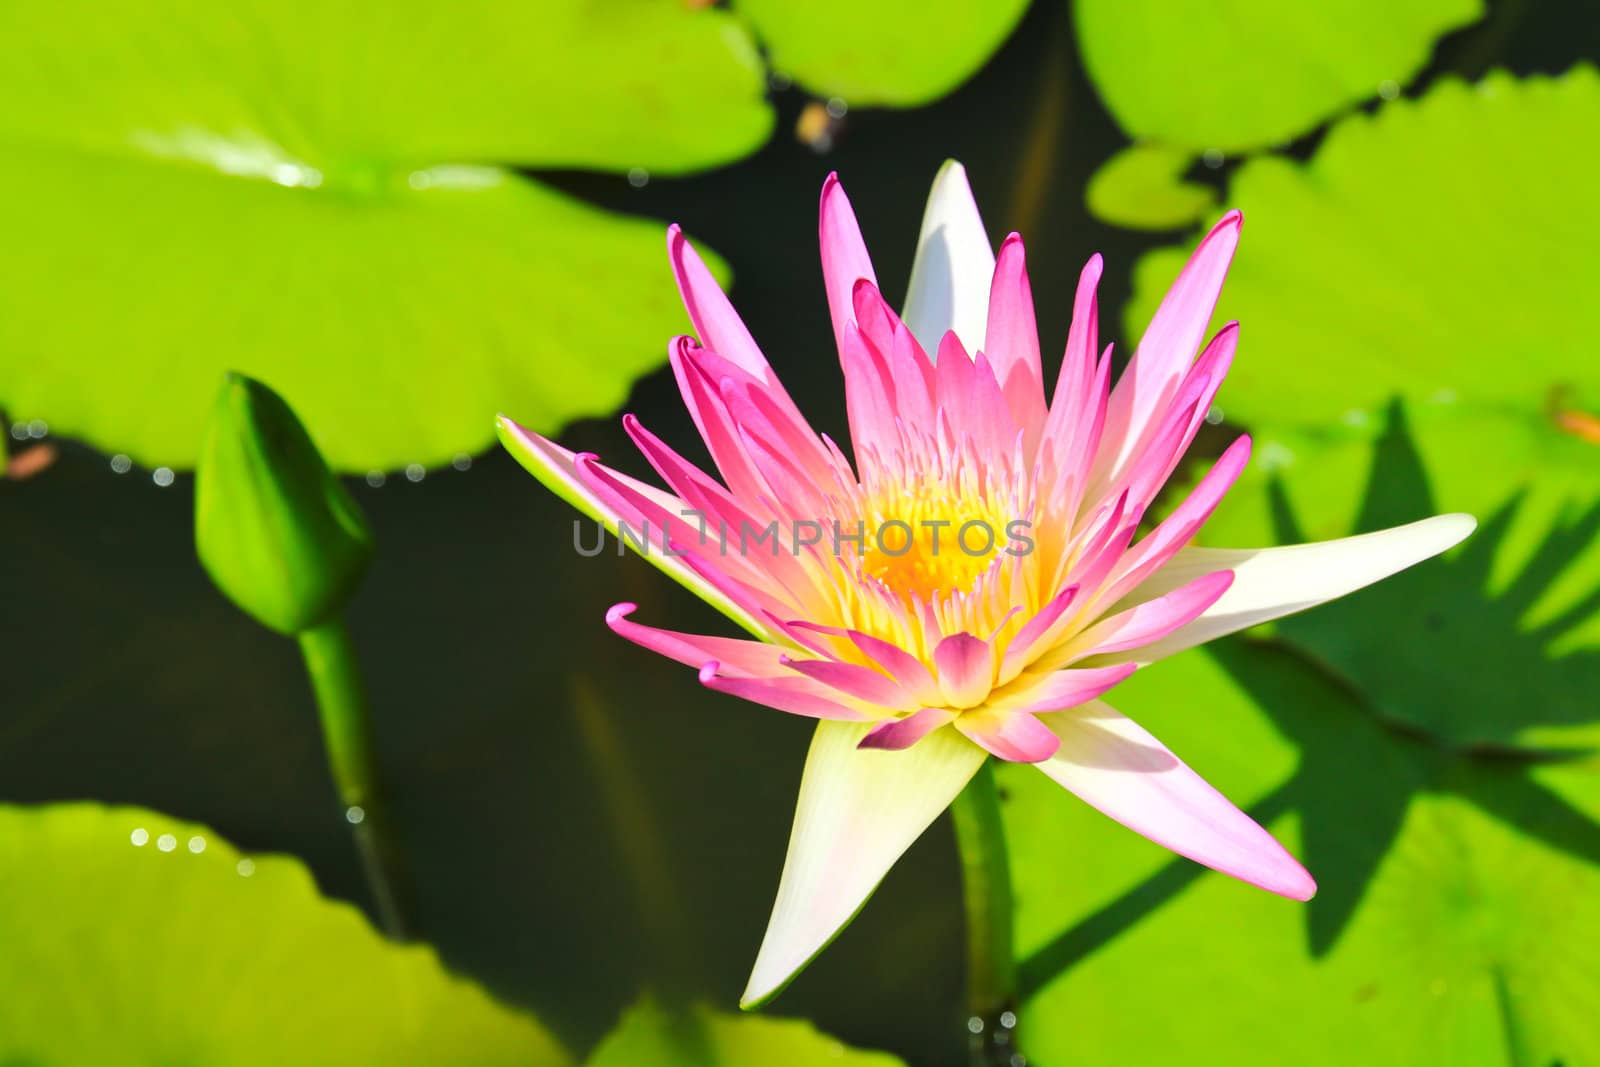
[{"x": 922, "y": 540}]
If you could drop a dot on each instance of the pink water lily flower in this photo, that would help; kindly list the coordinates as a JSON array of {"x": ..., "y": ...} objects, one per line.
[{"x": 919, "y": 663}]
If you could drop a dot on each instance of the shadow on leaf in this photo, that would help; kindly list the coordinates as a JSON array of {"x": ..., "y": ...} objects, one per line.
[
  {"x": 1351, "y": 790},
  {"x": 1428, "y": 648}
]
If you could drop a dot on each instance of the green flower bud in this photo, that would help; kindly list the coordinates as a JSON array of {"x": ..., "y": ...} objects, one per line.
[{"x": 272, "y": 525}]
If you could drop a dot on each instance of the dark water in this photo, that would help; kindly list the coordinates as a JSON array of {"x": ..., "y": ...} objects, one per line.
[{"x": 583, "y": 818}]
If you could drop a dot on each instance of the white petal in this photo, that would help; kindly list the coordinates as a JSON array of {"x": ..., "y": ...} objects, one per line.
[
  {"x": 553, "y": 465},
  {"x": 859, "y": 810},
  {"x": 1269, "y": 583},
  {"x": 953, "y": 268},
  {"x": 1115, "y": 766}
]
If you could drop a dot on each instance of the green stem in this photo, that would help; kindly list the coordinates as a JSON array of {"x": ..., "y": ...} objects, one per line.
[
  {"x": 347, "y": 733},
  {"x": 986, "y": 885}
]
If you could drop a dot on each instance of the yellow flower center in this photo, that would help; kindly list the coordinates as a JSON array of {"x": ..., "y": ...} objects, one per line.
[{"x": 923, "y": 540}]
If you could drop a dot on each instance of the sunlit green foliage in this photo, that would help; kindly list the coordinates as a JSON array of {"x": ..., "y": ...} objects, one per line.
[
  {"x": 1243, "y": 74},
  {"x": 1440, "y": 249},
  {"x": 1455, "y": 892},
  {"x": 313, "y": 195},
  {"x": 336, "y": 202},
  {"x": 1498, "y": 645},
  {"x": 1414, "y": 323},
  {"x": 136, "y": 938},
  {"x": 1414, "y": 330},
  {"x": 894, "y": 52},
  {"x": 1142, "y": 187}
]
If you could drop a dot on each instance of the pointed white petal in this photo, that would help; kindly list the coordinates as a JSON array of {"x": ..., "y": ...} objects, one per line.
[
  {"x": 1269, "y": 583},
  {"x": 953, "y": 268},
  {"x": 1115, "y": 766},
  {"x": 859, "y": 810},
  {"x": 553, "y": 465}
]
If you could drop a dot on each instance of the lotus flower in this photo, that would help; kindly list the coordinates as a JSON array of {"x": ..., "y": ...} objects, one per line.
[{"x": 919, "y": 663}]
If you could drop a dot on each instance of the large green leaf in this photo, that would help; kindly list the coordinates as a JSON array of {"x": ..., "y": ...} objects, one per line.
[
  {"x": 1456, "y": 894},
  {"x": 896, "y": 52},
  {"x": 700, "y": 1037},
  {"x": 1142, "y": 187},
  {"x": 1241, "y": 74},
  {"x": 1439, "y": 249},
  {"x": 309, "y": 194},
  {"x": 1395, "y": 265},
  {"x": 1498, "y": 644},
  {"x": 135, "y": 938}
]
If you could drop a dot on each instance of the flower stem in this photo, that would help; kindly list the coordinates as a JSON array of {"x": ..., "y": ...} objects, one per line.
[
  {"x": 347, "y": 733},
  {"x": 986, "y": 884}
]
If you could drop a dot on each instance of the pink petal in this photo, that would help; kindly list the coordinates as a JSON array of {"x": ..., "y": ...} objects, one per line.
[
  {"x": 1178, "y": 528},
  {"x": 1011, "y": 736},
  {"x": 798, "y": 472},
  {"x": 1011, "y": 340},
  {"x": 869, "y": 395},
  {"x": 1083, "y": 342},
  {"x": 844, "y": 255},
  {"x": 899, "y": 734},
  {"x": 732, "y": 574},
  {"x": 696, "y": 488},
  {"x": 910, "y": 375},
  {"x": 766, "y": 409},
  {"x": 862, "y": 683},
  {"x": 1152, "y": 620},
  {"x": 970, "y": 395},
  {"x": 966, "y": 669},
  {"x": 1154, "y": 374},
  {"x": 736, "y": 656},
  {"x": 1112, "y": 764},
  {"x": 910, "y": 671},
  {"x": 888, "y": 379},
  {"x": 762, "y": 548},
  {"x": 1024, "y": 645},
  {"x": 715, "y": 321},
  {"x": 556, "y": 468},
  {"x": 1100, "y": 545},
  {"x": 1060, "y": 690},
  {"x": 1147, "y": 470},
  {"x": 704, "y": 401},
  {"x": 796, "y": 695},
  {"x": 1075, "y": 424}
]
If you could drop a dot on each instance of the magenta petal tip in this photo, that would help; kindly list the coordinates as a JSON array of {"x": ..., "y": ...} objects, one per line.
[
  {"x": 829, "y": 185},
  {"x": 617, "y": 612}
]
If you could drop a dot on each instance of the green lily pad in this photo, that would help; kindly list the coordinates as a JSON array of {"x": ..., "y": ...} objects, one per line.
[
  {"x": 700, "y": 1037},
  {"x": 1142, "y": 188},
  {"x": 1248, "y": 73},
  {"x": 312, "y": 195},
  {"x": 1439, "y": 249},
  {"x": 1497, "y": 645},
  {"x": 1454, "y": 894},
  {"x": 899, "y": 53},
  {"x": 135, "y": 938}
]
